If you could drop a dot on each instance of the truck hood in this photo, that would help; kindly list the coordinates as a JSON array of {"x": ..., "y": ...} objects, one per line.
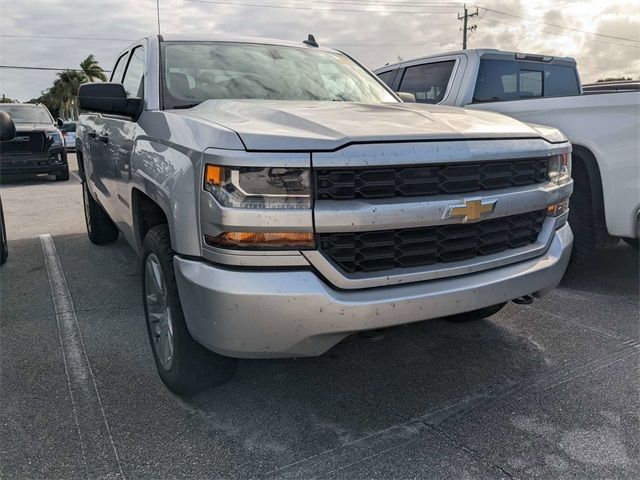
[{"x": 311, "y": 126}]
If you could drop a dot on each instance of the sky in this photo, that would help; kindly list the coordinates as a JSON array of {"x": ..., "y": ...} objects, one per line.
[{"x": 602, "y": 35}]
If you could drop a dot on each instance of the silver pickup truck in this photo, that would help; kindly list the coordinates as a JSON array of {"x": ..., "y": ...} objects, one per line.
[{"x": 281, "y": 197}]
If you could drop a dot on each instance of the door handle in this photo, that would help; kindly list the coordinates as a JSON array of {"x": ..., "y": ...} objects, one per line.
[{"x": 102, "y": 138}]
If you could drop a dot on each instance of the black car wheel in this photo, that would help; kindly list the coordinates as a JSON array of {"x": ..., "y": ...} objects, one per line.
[
  {"x": 185, "y": 366},
  {"x": 63, "y": 175},
  {"x": 4, "y": 247}
]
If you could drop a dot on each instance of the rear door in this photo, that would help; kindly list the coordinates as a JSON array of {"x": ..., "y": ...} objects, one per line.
[
  {"x": 119, "y": 133},
  {"x": 99, "y": 172}
]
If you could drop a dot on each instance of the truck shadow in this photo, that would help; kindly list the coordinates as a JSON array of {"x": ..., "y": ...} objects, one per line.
[{"x": 613, "y": 270}]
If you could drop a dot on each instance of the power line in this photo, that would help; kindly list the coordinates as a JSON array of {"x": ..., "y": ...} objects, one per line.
[
  {"x": 47, "y": 37},
  {"x": 289, "y": 7},
  {"x": 558, "y": 26},
  {"x": 562, "y": 35}
]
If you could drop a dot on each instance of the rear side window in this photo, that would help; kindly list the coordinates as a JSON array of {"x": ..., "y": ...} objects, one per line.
[
  {"x": 387, "y": 77},
  {"x": 501, "y": 80},
  {"x": 118, "y": 70},
  {"x": 428, "y": 82},
  {"x": 135, "y": 72}
]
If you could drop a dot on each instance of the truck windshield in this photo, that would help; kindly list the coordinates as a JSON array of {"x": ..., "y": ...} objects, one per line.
[
  {"x": 501, "y": 80},
  {"x": 197, "y": 71},
  {"x": 27, "y": 114}
]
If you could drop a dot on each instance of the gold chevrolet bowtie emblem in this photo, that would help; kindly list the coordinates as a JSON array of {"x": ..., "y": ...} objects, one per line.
[{"x": 471, "y": 209}]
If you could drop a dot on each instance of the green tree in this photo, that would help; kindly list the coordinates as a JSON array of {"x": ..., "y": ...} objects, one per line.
[
  {"x": 60, "y": 98},
  {"x": 92, "y": 69},
  {"x": 612, "y": 79},
  {"x": 6, "y": 99}
]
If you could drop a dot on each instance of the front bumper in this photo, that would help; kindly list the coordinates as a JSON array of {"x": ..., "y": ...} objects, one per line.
[
  {"x": 263, "y": 313},
  {"x": 53, "y": 161}
]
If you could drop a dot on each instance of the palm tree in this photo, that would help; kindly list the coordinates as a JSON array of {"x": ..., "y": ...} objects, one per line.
[{"x": 92, "y": 69}]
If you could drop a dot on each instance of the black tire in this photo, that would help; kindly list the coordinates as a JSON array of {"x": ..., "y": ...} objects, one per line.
[
  {"x": 632, "y": 242},
  {"x": 475, "y": 314},
  {"x": 4, "y": 246},
  {"x": 63, "y": 175},
  {"x": 582, "y": 221},
  {"x": 192, "y": 368},
  {"x": 100, "y": 228}
]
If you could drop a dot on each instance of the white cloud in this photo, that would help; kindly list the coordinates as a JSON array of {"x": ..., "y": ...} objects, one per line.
[{"x": 406, "y": 35}]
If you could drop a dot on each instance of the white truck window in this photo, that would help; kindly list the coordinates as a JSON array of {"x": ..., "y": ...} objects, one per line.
[
  {"x": 428, "y": 82},
  {"x": 135, "y": 71},
  {"x": 501, "y": 80}
]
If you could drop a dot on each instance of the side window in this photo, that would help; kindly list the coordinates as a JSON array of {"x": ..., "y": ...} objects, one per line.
[
  {"x": 427, "y": 82},
  {"x": 116, "y": 75},
  {"x": 387, "y": 77},
  {"x": 133, "y": 77}
]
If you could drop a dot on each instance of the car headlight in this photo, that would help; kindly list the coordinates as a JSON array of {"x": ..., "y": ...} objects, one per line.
[
  {"x": 559, "y": 168},
  {"x": 258, "y": 187},
  {"x": 55, "y": 138}
]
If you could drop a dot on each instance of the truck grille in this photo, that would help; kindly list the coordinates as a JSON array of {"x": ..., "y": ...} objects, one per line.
[
  {"x": 27, "y": 142},
  {"x": 413, "y": 247},
  {"x": 409, "y": 181}
]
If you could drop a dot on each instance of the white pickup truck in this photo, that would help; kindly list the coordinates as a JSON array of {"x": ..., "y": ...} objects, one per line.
[{"x": 603, "y": 129}]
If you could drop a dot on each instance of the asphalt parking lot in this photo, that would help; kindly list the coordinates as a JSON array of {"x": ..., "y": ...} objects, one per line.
[{"x": 548, "y": 390}]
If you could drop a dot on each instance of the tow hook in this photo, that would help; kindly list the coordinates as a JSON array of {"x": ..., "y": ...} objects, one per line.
[{"x": 523, "y": 300}]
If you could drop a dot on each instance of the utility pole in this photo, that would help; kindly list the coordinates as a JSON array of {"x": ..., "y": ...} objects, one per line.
[{"x": 467, "y": 28}]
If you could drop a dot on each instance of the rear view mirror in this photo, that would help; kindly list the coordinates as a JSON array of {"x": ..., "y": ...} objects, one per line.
[
  {"x": 7, "y": 127},
  {"x": 407, "y": 97},
  {"x": 59, "y": 122},
  {"x": 108, "y": 98}
]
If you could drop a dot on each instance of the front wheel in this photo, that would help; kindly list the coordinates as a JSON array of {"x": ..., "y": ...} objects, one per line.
[
  {"x": 63, "y": 176},
  {"x": 184, "y": 365}
]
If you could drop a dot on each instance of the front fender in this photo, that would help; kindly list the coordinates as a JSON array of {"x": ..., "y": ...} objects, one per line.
[{"x": 168, "y": 174}]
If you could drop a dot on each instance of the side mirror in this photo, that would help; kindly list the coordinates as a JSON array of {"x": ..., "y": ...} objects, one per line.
[
  {"x": 108, "y": 98},
  {"x": 7, "y": 127},
  {"x": 59, "y": 122},
  {"x": 407, "y": 97}
]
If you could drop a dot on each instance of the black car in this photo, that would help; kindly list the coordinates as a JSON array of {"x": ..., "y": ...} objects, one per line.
[{"x": 38, "y": 147}]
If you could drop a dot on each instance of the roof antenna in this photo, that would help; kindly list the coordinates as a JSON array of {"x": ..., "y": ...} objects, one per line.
[{"x": 311, "y": 41}]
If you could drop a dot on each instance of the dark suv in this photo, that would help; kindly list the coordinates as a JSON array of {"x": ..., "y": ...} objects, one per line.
[{"x": 38, "y": 146}]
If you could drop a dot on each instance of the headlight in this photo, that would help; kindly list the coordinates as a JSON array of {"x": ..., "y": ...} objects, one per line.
[
  {"x": 258, "y": 187},
  {"x": 55, "y": 138},
  {"x": 559, "y": 168}
]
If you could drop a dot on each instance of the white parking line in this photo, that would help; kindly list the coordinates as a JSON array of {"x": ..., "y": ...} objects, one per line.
[{"x": 99, "y": 452}]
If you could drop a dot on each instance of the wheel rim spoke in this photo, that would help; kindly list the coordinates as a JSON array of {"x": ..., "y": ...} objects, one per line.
[{"x": 158, "y": 312}]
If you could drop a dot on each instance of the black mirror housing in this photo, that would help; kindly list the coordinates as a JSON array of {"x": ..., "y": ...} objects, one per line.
[
  {"x": 59, "y": 122},
  {"x": 407, "y": 97},
  {"x": 109, "y": 98},
  {"x": 7, "y": 127}
]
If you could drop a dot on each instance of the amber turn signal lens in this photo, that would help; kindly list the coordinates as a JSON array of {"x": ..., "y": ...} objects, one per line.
[
  {"x": 558, "y": 208},
  {"x": 213, "y": 175},
  {"x": 258, "y": 240}
]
